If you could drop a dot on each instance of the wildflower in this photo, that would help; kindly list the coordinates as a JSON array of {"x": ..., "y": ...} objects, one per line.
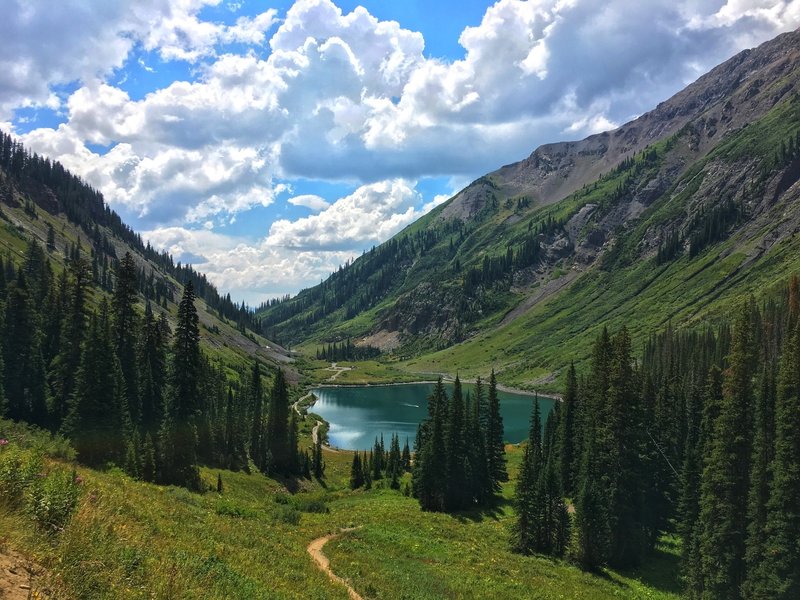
[
  {"x": 78, "y": 479},
  {"x": 3, "y": 442}
]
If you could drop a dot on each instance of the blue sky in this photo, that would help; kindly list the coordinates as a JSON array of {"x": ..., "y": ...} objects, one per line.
[{"x": 269, "y": 142}]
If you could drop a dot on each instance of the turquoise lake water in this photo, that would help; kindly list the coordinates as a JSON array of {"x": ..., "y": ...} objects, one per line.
[{"x": 357, "y": 414}]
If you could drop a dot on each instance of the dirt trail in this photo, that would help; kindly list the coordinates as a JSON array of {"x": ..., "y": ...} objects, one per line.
[
  {"x": 337, "y": 371},
  {"x": 315, "y": 550},
  {"x": 20, "y": 578},
  {"x": 315, "y": 433},
  {"x": 296, "y": 405}
]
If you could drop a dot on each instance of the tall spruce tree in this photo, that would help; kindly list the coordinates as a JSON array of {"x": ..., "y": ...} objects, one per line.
[
  {"x": 527, "y": 531},
  {"x": 725, "y": 483},
  {"x": 179, "y": 431},
  {"x": 98, "y": 421},
  {"x": 495, "y": 445},
  {"x": 778, "y": 574},
  {"x": 277, "y": 442},
  {"x": 126, "y": 325},
  {"x": 257, "y": 425},
  {"x": 456, "y": 451},
  {"x": 24, "y": 380},
  {"x": 567, "y": 433},
  {"x": 64, "y": 366}
]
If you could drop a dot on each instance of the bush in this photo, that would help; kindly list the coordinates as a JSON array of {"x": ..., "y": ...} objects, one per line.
[
  {"x": 229, "y": 508},
  {"x": 18, "y": 470},
  {"x": 51, "y": 499},
  {"x": 311, "y": 506},
  {"x": 286, "y": 514}
]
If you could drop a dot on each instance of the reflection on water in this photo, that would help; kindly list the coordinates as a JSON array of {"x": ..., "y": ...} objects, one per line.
[{"x": 358, "y": 414}]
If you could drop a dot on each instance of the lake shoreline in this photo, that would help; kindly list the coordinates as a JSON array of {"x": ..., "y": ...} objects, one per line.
[{"x": 500, "y": 387}]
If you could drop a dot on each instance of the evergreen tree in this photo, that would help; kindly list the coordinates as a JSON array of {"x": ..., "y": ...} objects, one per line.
[
  {"x": 495, "y": 445},
  {"x": 456, "y": 452},
  {"x": 356, "y": 472},
  {"x": 430, "y": 467},
  {"x": 64, "y": 367},
  {"x": 277, "y": 442},
  {"x": 758, "y": 498},
  {"x": 24, "y": 381},
  {"x": 257, "y": 425},
  {"x": 567, "y": 432},
  {"x": 317, "y": 462},
  {"x": 405, "y": 459},
  {"x": 125, "y": 331},
  {"x": 179, "y": 431},
  {"x": 152, "y": 366},
  {"x": 778, "y": 575},
  {"x": 726, "y": 475},
  {"x": 98, "y": 413},
  {"x": 528, "y": 528}
]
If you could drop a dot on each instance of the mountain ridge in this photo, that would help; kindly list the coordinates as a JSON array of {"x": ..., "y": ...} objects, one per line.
[{"x": 701, "y": 173}]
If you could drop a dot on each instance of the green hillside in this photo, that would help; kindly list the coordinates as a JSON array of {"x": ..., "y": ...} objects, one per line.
[{"x": 674, "y": 232}]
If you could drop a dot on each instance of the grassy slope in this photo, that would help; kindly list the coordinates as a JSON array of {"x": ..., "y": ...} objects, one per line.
[
  {"x": 221, "y": 340},
  {"x": 134, "y": 540}
]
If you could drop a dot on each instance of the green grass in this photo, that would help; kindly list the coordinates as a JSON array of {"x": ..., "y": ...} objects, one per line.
[{"x": 129, "y": 539}]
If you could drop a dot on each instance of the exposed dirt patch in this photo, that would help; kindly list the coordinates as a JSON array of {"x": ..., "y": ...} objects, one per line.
[
  {"x": 385, "y": 340},
  {"x": 20, "y": 578}
]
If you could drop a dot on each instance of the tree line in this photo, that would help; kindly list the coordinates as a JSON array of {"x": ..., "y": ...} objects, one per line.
[
  {"x": 125, "y": 387},
  {"x": 700, "y": 438}
]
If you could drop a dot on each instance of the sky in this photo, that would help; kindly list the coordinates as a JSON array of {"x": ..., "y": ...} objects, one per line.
[{"x": 267, "y": 143}]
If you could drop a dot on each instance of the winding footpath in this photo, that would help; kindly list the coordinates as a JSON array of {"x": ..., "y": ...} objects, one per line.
[
  {"x": 315, "y": 550},
  {"x": 296, "y": 405}
]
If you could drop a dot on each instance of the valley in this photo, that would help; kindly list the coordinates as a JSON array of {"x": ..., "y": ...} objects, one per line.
[{"x": 591, "y": 359}]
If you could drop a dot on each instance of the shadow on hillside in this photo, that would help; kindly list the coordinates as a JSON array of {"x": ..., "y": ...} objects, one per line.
[
  {"x": 661, "y": 569},
  {"x": 493, "y": 511}
]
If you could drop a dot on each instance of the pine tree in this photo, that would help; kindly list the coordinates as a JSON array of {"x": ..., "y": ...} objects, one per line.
[
  {"x": 726, "y": 474},
  {"x": 622, "y": 432},
  {"x": 356, "y": 472},
  {"x": 277, "y": 427},
  {"x": 152, "y": 366},
  {"x": 778, "y": 575},
  {"x": 528, "y": 527},
  {"x": 179, "y": 432},
  {"x": 567, "y": 432},
  {"x": 456, "y": 451},
  {"x": 24, "y": 381},
  {"x": 430, "y": 464},
  {"x": 495, "y": 445},
  {"x": 257, "y": 424},
  {"x": 64, "y": 366},
  {"x": 317, "y": 462},
  {"x": 125, "y": 331},
  {"x": 760, "y": 479},
  {"x": 405, "y": 459},
  {"x": 98, "y": 413},
  {"x": 393, "y": 465}
]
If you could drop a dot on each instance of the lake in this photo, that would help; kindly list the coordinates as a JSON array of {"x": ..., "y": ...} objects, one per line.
[{"x": 359, "y": 413}]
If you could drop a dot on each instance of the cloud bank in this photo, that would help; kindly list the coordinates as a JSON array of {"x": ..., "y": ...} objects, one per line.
[{"x": 319, "y": 94}]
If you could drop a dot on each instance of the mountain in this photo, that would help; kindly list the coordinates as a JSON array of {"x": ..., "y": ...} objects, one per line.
[
  {"x": 42, "y": 202},
  {"x": 666, "y": 220}
]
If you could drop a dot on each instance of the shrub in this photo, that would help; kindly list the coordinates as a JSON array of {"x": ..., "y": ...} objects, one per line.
[
  {"x": 18, "y": 470},
  {"x": 51, "y": 499}
]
